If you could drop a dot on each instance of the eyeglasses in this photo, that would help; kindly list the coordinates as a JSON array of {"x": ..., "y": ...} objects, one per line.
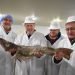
[{"x": 72, "y": 29}]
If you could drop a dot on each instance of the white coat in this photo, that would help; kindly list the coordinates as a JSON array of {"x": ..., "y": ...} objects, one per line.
[
  {"x": 5, "y": 64},
  {"x": 72, "y": 57},
  {"x": 71, "y": 67},
  {"x": 58, "y": 43},
  {"x": 52, "y": 68},
  {"x": 9, "y": 37},
  {"x": 70, "y": 70},
  {"x": 36, "y": 39},
  {"x": 67, "y": 44},
  {"x": 37, "y": 66},
  {"x": 61, "y": 67}
]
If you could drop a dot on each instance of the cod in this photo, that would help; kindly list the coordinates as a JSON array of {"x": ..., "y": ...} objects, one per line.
[{"x": 27, "y": 52}]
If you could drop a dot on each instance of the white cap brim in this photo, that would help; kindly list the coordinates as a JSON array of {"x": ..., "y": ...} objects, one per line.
[{"x": 52, "y": 28}]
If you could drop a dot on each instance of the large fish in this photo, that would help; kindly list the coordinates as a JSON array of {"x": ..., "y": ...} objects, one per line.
[{"x": 23, "y": 52}]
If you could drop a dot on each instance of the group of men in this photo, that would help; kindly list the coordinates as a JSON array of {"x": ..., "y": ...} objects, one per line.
[{"x": 40, "y": 64}]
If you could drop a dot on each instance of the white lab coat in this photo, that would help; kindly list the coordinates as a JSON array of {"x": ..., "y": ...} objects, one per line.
[
  {"x": 67, "y": 44},
  {"x": 9, "y": 37},
  {"x": 37, "y": 66},
  {"x": 5, "y": 64},
  {"x": 59, "y": 43},
  {"x": 70, "y": 70},
  {"x": 52, "y": 68},
  {"x": 71, "y": 67},
  {"x": 60, "y": 68},
  {"x": 36, "y": 39},
  {"x": 72, "y": 57}
]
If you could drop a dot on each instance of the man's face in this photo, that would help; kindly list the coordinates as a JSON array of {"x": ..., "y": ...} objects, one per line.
[
  {"x": 70, "y": 28},
  {"x": 7, "y": 23},
  {"x": 30, "y": 27},
  {"x": 54, "y": 32},
  {"x": 59, "y": 55}
]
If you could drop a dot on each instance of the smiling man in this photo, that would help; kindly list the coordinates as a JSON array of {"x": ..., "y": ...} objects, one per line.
[
  {"x": 6, "y": 31},
  {"x": 31, "y": 37},
  {"x": 55, "y": 38}
]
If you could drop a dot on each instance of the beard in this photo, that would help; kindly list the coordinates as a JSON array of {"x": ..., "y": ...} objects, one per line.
[{"x": 7, "y": 28}]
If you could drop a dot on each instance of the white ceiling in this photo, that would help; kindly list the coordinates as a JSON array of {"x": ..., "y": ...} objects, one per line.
[{"x": 45, "y": 10}]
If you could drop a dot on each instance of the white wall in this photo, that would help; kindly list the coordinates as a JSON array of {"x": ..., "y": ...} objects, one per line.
[{"x": 43, "y": 29}]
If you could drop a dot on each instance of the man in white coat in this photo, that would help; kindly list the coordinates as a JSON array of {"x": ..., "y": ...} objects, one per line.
[
  {"x": 56, "y": 65},
  {"x": 6, "y": 31},
  {"x": 70, "y": 29},
  {"x": 55, "y": 39},
  {"x": 31, "y": 37}
]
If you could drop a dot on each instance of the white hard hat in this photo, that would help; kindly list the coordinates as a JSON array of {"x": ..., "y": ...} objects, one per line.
[
  {"x": 70, "y": 19},
  {"x": 29, "y": 19},
  {"x": 54, "y": 25}
]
